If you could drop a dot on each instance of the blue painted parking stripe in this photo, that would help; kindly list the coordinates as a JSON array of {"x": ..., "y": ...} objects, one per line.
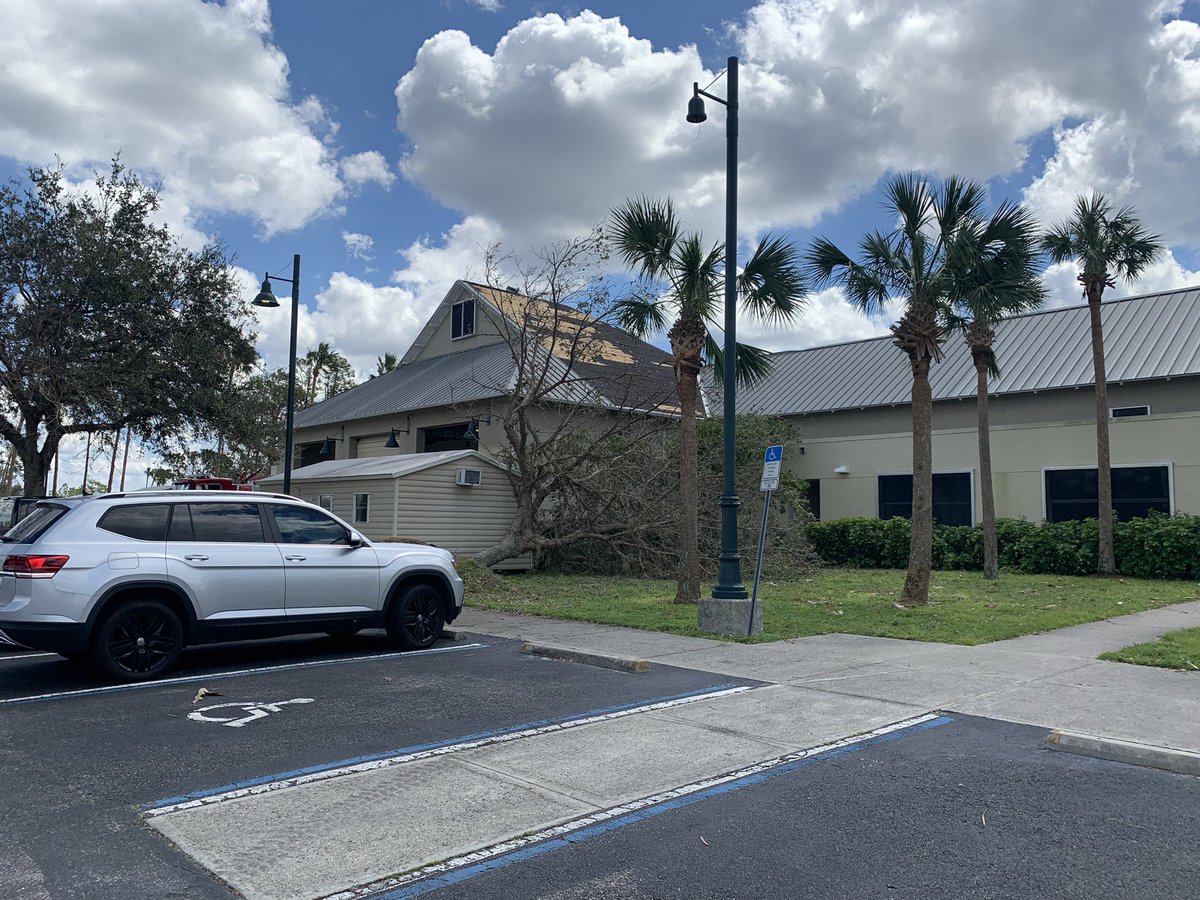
[
  {"x": 533, "y": 846},
  {"x": 215, "y": 676},
  {"x": 470, "y": 741}
]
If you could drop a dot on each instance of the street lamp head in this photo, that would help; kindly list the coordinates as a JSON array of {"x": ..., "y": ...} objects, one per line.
[
  {"x": 265, "y": 296},
  {"x": 696, "y": 113}
]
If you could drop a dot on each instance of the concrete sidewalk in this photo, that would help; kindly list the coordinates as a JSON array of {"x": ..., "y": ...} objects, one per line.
[{"x": 1052, "y": 679}]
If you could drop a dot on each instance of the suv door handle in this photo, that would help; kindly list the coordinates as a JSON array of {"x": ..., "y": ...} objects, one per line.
[
  {"x": 196, "y": 556},
  {"x": 295, "y": 558}
]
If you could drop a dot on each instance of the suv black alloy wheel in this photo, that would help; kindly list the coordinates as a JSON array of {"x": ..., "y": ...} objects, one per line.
[
  {"x": 417, "y": 617},
  {"x": 138, "y": 640}
]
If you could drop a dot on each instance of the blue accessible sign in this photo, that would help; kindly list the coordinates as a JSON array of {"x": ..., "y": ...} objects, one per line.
[{"x": 772, "y": 460}]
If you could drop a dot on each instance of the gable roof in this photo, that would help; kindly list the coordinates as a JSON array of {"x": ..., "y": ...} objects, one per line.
[
  {"x": 620, "y": 371},
  {"x": 1145, "y": 337},
  {"x": 379, "y": 466}
]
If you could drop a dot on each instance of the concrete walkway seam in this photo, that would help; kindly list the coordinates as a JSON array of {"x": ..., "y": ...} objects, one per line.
[
  {"x": 1182, "y": 762},
  {"x": 588, "y": 659}
]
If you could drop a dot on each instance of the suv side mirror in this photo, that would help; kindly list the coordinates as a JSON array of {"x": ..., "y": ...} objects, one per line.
[{"x": 355, "y": 540}]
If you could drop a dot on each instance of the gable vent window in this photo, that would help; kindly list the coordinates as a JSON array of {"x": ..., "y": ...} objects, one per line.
[
  {"x": 468, "y": 477},
  {"x": 462, "y": 320},
  {"x": 1124, "y": 412}
]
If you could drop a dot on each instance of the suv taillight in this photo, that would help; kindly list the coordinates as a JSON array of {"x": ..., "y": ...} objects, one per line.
[{"x": 34, "y": 566}]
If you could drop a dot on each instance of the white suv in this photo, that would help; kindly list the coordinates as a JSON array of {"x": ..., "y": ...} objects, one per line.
[{"x": 129, "y": 580}]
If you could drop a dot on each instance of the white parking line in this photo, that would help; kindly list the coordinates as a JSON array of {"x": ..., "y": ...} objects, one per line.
[{"x": 191, "y": 679}]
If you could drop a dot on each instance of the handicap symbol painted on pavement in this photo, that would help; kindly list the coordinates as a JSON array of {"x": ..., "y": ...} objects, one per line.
[
  {"x": 246, "y": 712},
  {"x": 773, "y": 454}
]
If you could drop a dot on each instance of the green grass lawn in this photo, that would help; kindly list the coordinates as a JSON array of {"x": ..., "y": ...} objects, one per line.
[
  {"x": 963, "y": 608},
  {"x": 1174, "y": 650}
]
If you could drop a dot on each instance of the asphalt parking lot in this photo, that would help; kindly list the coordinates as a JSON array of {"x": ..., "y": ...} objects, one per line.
[
  {"x": 82, "y": 760},
  {"x": 970, "y": 808},
  {"x": 952, "y": 807}
]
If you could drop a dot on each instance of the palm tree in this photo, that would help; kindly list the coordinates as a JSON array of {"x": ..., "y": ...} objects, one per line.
[
  {"x": 924, "y": 260},
  {"x": 681, "y": 291},
  {"x": 385, "y": 364},
  {"x": 1106, "y": 245},
  {"x": 317, "y": 361},
  {"x": 998, "y": 279}
]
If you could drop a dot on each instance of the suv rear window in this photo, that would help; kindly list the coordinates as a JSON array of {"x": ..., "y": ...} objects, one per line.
[
  {"x": 143, "y": 521},
  {"x": 32, "y": 526}
]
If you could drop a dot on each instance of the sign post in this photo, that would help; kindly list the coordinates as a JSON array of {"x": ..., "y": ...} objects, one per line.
[{"x": 772, "y": 462}]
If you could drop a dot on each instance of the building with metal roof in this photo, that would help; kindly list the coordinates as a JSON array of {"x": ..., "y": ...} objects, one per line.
[
  {"x": 389, "y": 449},
  {"x": 852, "y": 400},
  {"x": 452, "y": 386}
]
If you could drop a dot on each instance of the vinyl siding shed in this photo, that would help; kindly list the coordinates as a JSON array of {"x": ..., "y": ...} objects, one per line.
[{"x": 415, "y": 496}]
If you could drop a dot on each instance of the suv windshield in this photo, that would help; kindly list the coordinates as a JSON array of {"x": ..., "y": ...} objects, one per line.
[{"x": 43, "y": 516}]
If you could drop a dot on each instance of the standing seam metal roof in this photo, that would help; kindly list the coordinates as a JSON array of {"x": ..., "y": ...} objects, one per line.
[{"x": 1145, "y": 337}]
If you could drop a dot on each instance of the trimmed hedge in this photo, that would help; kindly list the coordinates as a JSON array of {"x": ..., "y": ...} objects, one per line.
[{"x": 1155, "y": 547}]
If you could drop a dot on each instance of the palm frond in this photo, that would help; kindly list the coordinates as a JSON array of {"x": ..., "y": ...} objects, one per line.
[
  {"x": 771, "y": 284},
  {"x": 641, "y": 315},
  {"x": 644, "y": 232},
  {"x": 696, "y": 277},
  {"x": 866, "y": 286},
  {"x": 751, "y": 365}
]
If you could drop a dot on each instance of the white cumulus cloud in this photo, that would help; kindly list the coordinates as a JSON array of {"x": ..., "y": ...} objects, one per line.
[
  {"x": 194, "y": 93},
  {"x": 362, "y": 168},
  {"x": 360, "y": 246}
]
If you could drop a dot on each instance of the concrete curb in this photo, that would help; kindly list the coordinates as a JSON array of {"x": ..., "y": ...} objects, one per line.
[
  {"x": 587, "y": 659},
  {"x": 1183, "y": 762}
]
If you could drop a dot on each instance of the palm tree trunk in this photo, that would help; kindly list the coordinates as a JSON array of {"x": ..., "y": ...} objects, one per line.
[
  {"x": 687, "y": 385},
  {"x": 991, "y": 554},
  {"x": 1107, "y": 563},
  {"x": 920, "y": 552}
]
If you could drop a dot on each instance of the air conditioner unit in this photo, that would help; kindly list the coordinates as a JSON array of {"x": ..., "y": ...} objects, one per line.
[{"x": 468, "y": 477}]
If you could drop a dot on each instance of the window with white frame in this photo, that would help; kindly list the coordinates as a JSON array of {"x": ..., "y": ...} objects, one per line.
[
  {"x": 362, "y": 509},
  {"x": 325, "y": 501},
  {"x": 952, "y": 496},
  {"x": 462, "y": 319},
  {"x": 1137, "y": 491}
]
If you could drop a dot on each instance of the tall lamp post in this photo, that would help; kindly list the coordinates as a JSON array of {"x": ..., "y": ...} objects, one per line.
[
  {"x": 267, "y": 299},
  {"x": 729, "y": 579}
]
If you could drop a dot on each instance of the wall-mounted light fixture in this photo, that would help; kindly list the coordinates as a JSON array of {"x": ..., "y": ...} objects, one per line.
[
  {"x": 327, "y": 447},
  {"x": 392, "y": 443},
  {"x": 472, "y": 432},
  {"x": 841, "y": 470}
]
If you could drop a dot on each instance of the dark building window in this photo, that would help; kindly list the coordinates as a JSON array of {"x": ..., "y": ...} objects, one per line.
[
  {"x": 1124, "y": 412},
  {"x": 951, "y": 497},
  {"x": 310, "y": 454},
  {"x": 447, "y": 437},
  {"x": 812, "y": 493},
  {"x": 1074, "y": 493},
  {"x": 462, "y": 319}
]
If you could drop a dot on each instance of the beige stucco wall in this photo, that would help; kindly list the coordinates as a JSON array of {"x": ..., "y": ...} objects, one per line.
[
  {"x": 441, "y": 343},
  {"x": 1020, "y": 453}
]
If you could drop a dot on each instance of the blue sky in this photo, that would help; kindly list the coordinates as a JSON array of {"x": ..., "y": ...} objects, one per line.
[{"x": 389, "y": 142}]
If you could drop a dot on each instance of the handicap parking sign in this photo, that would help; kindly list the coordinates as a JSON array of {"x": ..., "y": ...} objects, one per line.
[{"x": 772, "y": 461}]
